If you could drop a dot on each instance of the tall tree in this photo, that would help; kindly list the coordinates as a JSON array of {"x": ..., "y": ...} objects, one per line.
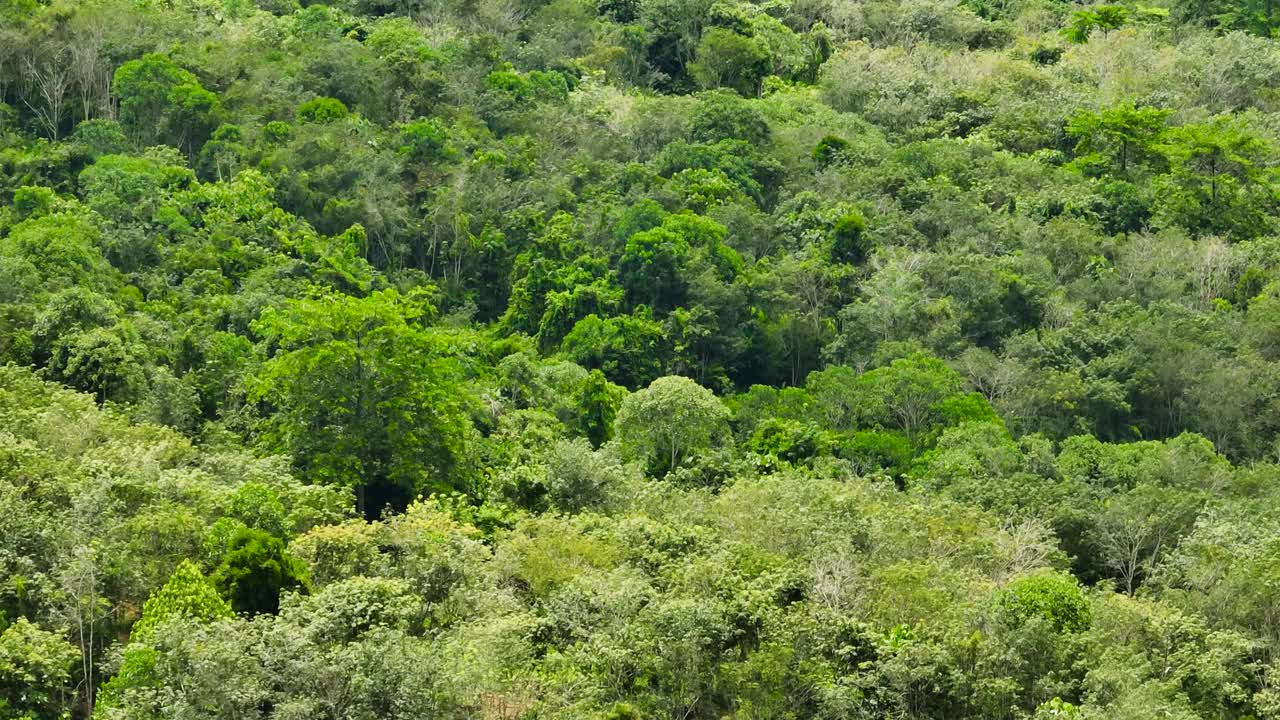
[
  {"x": 1116, "y": 140},
  {"x": 1222, "y": 179},
  {"x": 668, "y": 421},
  {"x": 360, "y": 392}
]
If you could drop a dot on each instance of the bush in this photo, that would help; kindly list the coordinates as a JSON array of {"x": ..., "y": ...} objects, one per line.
[
  {"x": 322, "y": 110},
  {"x": 255, "y": 570},
  {"x": 1051, "y": 596},
  {"x": 829, "y": 151}
]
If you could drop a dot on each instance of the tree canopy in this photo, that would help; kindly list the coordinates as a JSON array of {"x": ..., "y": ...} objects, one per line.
[{"x": 586, "y": 359}]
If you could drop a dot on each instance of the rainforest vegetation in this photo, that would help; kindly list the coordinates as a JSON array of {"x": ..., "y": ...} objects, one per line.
[{"x": 639, "y": 360}]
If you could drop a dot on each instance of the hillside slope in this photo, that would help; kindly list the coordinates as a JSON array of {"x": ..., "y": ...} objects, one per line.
[{"x": 639, "y": 359}]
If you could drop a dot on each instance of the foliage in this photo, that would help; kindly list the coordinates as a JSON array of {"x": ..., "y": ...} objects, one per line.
[
  {"x": 360, "y": 393},
  {"x": 254, "y": 570},
  {"x": 321, "y": 110},
  {"x": 1102, "y": 17},
  {"x": 35, "y": 670},
  {"x": 186, "y": 595},
  {"x": 1053, "y": 597},
  {"x": 639, "y": 359},
  {"x": 668, "y": 420},
  {"x": 161, "y": 101}
]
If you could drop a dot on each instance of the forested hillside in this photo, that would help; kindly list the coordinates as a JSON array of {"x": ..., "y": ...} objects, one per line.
[{"x": 639, "y": 359}]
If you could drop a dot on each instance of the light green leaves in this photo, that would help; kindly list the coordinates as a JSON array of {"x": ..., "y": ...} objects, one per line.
[{"x": 666, "y": 422}]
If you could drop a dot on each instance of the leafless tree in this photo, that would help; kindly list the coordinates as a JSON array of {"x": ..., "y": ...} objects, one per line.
[
  {"x": 1135, "y": 530},
  {"x": 47, "y": 78},
  {"x": 83, "y": 609},
  {"x": 91, "y": 71},
  {"x": 1028, "y": 545}
]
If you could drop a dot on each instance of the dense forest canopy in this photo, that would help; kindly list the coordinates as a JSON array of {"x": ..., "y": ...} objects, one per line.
[{"x": 639, "y": 359}]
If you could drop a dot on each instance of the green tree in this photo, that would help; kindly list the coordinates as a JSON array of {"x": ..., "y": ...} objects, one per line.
[
  {"x": 253, "y": 573},
  {"x": 1262, "y": 322},
  {"x": 132, "y": 187},
  {"x": 668, "y": 421},
  {"x": 321, "y": 110},
  {"x": 1102, "y": 17},
  {"x": 1137, "y": 528},
  {"x": 63, "y": 246},
  {"x": 1117, "y": 140},
  {"x": 361, "y": 393},
  {"x": 1052, "y": 596},
  {"x": 597, "y": 403},
  {"x": 849, "y": 240},
  {"x": 725, "y": 116},
  {"x": 160, "y": 101},
  {"x": 35, "y": 672},
  {"x": 192, "y": 116},
  {"x": 629, "y": 349},
  {"x": 187, "y": 596},
  {"x": 726, "y": 59},
  {"x": 224, "y": 154},
  {"x": 579, "y": 478},
  {"x": 910, "y": 394},
  {"x": 109, "y": 362},
  {"x": 1221, "y": 180},
  {"x": 1260, "y": 17},
  {"x": 652, "y": 269},
  {"x": 829, "y": 151}
]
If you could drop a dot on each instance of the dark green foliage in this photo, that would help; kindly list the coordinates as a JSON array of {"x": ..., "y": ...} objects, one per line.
[
  {"x": 1249, "y": 285},
  {"x": 362, "y": 394},
  {"x": 623, "y": 11},
  {"x": 1121, "y": 208},
  {"x": 160, "y": 101},
  {"x": 254, "y": 571},
  {"x": 737, "y": 161},
  {"x": 97, "y": 137},
  {"x": 143, "y": 86},
  {"x": 628, "y": 349},
  {"x": 598, "y": 401},
  {"x": 643, "y": 215},
  {"x": 652, "y": 269},
  {"x": 727, "y": 59},
  {"x": 1219, "y": 181},
  {"x": 829, "y": 151},
  {"x": 850, "y": 243},
  {"x": 1254, "y": 16},
  {"x": 1046, "y": 54},
  {"x": 872, "y": 452}
]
